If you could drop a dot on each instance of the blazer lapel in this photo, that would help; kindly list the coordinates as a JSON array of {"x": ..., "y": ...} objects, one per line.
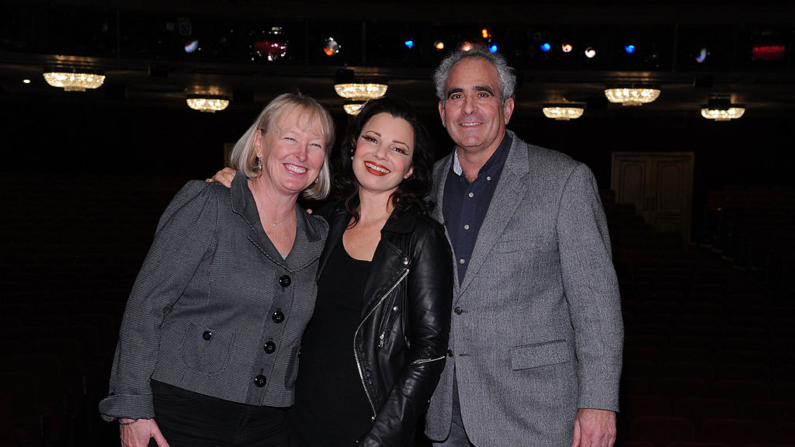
[
  {"x": 440, "y": 170},
  {"x": 309, "y": 238},
  {"x": 507, "y": 197}
]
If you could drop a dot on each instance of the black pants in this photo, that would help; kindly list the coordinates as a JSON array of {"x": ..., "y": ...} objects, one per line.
[{"x": 189, "y": 419}]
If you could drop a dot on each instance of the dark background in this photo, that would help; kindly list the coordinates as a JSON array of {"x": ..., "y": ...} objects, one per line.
[{"x": 85, "y": 176}]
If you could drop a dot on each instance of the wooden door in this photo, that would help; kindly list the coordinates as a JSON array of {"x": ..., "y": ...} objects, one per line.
[{"x": 660, "y": 184}]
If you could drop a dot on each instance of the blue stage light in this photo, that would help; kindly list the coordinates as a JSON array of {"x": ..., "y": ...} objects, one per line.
[
  {"x": 545, "y": 47},
  {"x": 409, "y": 43},
  {"x": 493, "y": 48},
  {"x": 629, "y": 49}
]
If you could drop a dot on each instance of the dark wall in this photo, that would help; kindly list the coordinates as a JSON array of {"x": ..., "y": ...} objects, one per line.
[{"x": 79, "y": 136}]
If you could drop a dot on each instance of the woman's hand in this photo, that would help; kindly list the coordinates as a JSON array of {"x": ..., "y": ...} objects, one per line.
[
  {"x": 138, "y": 433},
  {"x": 224, "y": 177}
]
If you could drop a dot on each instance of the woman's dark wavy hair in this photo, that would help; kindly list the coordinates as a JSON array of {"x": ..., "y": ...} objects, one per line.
[{"x": 411, "y": 192}]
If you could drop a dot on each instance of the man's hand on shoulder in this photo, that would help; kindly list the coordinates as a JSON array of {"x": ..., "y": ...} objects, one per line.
[
  {"x": 594, "y": 428},
  {"x": 224, "y": 177}
]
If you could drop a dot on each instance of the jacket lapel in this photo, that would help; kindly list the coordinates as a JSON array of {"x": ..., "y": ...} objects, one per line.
[
  {"x": 440, "y": 170},
  {"x": 309, "y": 238},
  {"x": 507, "y": 197}
]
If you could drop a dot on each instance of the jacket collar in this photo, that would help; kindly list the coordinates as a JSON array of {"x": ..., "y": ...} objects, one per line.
[
  {"x": 309, "y": 234},
  {"x": 338, "y": 221}
]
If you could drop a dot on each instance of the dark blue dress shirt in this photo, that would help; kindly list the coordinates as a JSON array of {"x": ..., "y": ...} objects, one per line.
[{"x": 466, "y": 204}]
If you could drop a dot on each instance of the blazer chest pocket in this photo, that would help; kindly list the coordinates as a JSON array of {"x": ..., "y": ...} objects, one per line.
[
  {"x": 526, "y": 244},
  {"x": 206, "y": 350},
  {"x": 543, "y": 354}
]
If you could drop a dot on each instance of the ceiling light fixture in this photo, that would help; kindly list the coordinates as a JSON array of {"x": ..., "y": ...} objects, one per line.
[
  {"x": 207, "y": 103},
  {"x": 353, "y": 107},
  {"x": 563, "y": 112},
  {"x": 357, "y": 91},
  {"x": 632, "y": 95},
  {"x": 74, "y": 79},
  {"x": 721, "y": 109},
  {"x": 361, "y": 90}
]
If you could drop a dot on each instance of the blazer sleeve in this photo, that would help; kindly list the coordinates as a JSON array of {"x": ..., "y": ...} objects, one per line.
[
  {"x": 591, "y": 288},
  {"x": 184, "y": 234},
  {"x": 430, "y": 298}
]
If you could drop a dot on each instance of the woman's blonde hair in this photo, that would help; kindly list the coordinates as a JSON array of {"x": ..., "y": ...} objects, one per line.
[{"x": 244, "y": 155}]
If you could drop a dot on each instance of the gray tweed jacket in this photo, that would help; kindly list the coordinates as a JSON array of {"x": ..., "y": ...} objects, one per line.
[
  {"x": 212, "y": 295},
  {"x": 536, "y": 328}
]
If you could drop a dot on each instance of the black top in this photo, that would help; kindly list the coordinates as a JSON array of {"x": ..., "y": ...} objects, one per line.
[{"x": 331, "y": 407}]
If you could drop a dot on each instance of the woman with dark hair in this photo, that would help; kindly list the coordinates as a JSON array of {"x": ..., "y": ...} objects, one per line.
[{"x": 374, "y": 350}]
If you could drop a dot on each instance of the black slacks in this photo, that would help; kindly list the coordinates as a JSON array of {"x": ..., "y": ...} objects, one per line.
[{"x": 189, "y": 419}]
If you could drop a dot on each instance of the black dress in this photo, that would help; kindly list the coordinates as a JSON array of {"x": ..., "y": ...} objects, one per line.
[{"x": 331, "y": 408}]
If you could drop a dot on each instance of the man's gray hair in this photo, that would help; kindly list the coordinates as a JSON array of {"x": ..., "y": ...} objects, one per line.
[{"x": 505, "y": 72}]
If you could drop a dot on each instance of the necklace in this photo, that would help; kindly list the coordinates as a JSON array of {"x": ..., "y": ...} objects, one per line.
[{"x": 273, "y": 224}]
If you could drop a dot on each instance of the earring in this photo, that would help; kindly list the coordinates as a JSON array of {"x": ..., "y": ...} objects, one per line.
[
  {"x": 317, "y": 179},
  {"x": 258, "y": 164}
]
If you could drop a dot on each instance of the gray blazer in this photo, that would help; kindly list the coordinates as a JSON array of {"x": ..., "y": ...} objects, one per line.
[
  {"x": 536, "y": 327},
  {"x": 215, "y": 305}
]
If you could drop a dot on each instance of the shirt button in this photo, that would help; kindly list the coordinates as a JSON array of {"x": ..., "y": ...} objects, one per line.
[
  {"x": 285, "y": 281},
  {"x": 472, "y": 194},
  {"x": 461, "y": 261},
  {"x": 459, "y": 311},
  {"x": 466, "y": 227},
  {"x": 488, "y": 178},
  {"x": 270, "y": 347},
  {"x": 260, "y": 381},
  {"x": 278, "y": 316},
  {"x": 207, "y": 335}
]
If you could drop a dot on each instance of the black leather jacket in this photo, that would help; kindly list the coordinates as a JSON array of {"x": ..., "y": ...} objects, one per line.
[{"x": 401, "y": 342}]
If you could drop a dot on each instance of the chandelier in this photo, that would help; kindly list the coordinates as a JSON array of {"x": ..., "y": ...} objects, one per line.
[
  {"x": 353, "y": 107},
  {"x": 563, "y": 112},
  {"x": 74, "y": 80},
  {"x": 632, "y": 96},
  {"x": 360, "y": 90},
  {"x": 207, "y": 103},
  {"x": 357, "y": 91},
  {"x": 721, "y": 109}
]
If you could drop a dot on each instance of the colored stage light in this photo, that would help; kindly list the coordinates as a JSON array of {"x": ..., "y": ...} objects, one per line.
[
  {"x": 702, "y": 56},
  {"x": 409, "y": 43},
  {"x": 493, "y": 47},
  {"x": 545, "y": 47},
  {"x": 590, "y": 53},
  {"x": 439, "y": 45},
  {"x": 768, "y": 52},
  {"x": 629, "y": 48},
  {"x": 566, "y": 47},
  {"x": 331, "y": 47},
  {"x": 192, "y": 46}
]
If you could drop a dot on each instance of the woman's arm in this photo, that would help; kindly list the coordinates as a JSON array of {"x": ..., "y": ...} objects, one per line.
[
  {"x": 183, "y": 236},
  {"x": 430, "y": 296}
]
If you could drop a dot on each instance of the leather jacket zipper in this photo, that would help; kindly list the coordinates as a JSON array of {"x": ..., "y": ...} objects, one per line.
[{"x": 356, "y": 334}]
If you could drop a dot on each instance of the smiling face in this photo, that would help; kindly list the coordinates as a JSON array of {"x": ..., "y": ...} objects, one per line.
[
  {"x": 474, "y": 114},
  {"x": 383, "y": 154},
  {"x": 292, "y": 152}
]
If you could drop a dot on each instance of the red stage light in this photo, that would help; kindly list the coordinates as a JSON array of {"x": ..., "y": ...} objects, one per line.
[{"x": 768, "y": 52}]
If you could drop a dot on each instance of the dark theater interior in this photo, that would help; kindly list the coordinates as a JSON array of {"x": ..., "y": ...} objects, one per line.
[{"x": 701, "y": 212}]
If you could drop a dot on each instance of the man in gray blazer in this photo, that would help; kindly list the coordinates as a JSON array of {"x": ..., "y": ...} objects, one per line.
[{"x": 536, "y": 336}]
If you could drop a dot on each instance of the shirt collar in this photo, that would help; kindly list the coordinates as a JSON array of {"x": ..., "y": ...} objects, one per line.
[{"x": 495, "y": 162}]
